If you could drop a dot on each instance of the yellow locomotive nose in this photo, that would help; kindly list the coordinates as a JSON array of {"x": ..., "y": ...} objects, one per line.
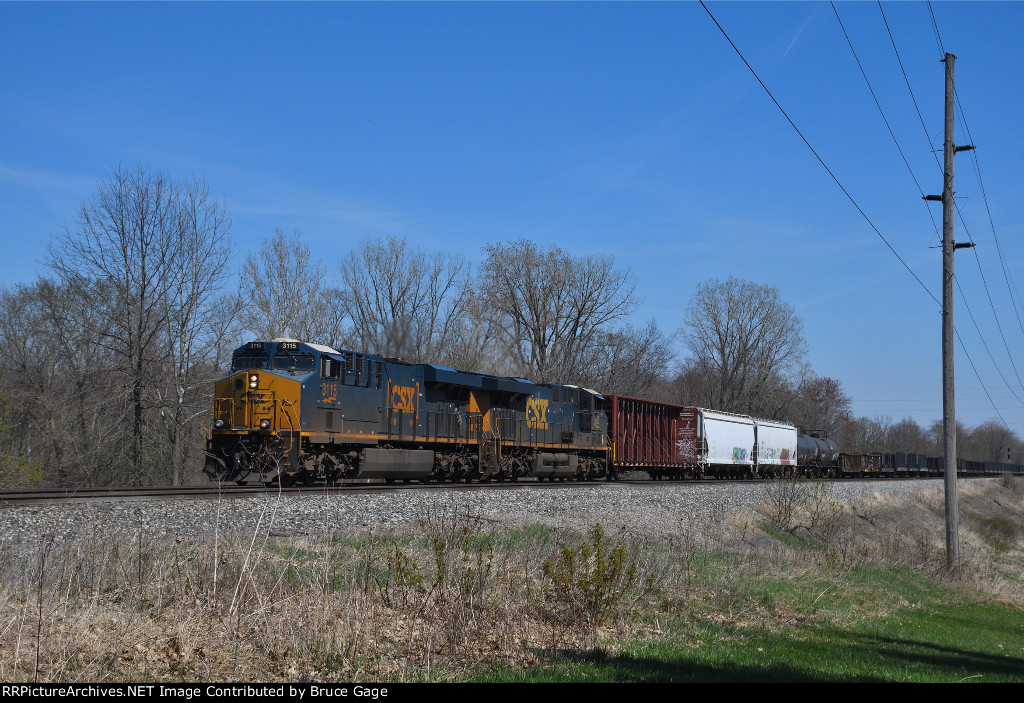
[
  {"x": 256, "y": 401},
  {"x": 256, "y": 425}
]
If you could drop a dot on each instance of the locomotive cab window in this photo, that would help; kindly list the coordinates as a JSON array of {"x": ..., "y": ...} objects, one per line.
[
  {"x": 329, "y": 367},
  {"x": 243, "y": 362},
  {"x": 284, "y": 361}
]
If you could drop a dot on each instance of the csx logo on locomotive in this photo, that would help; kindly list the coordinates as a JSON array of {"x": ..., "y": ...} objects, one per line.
[
  {"x": 404, "y": 398},
  {"x": 537, "y": 413}
]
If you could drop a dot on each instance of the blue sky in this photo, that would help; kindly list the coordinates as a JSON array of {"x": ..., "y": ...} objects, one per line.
[{"x": 630, "y": 129}]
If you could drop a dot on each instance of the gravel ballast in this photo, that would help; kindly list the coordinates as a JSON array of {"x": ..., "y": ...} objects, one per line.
[{"x": 653, "y": 510}]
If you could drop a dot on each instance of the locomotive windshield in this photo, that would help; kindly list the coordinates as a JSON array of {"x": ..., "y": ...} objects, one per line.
[
  {"x": 285, "y": 361},
  {"x": 249, "y": 361}
]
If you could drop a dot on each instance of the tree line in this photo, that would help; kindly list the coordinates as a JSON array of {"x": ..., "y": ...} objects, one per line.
[{"x": 108, "y": 358}]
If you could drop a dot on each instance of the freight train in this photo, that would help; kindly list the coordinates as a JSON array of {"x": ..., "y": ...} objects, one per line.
[{"x": 292, "y": 411}]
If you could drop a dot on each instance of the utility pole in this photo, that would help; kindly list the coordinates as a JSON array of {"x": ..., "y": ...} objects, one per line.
[{"x": 948, "y": 348}]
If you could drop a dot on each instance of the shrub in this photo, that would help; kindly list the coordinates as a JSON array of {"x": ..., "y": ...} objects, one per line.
[
  {"x": 403, "y": 575},
  {"x": 792, "y": 503},
  {"x": 592, "y": 581}
]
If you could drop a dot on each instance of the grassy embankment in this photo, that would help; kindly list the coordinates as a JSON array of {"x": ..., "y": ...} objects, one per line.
[{"x": 805, "y": 589}]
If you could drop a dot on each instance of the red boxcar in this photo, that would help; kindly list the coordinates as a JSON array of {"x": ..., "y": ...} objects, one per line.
[{"x": 658, "y": 438}]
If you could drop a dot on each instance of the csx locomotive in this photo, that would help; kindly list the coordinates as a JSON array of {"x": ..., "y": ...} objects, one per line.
[{"x": 291, "y": 411}]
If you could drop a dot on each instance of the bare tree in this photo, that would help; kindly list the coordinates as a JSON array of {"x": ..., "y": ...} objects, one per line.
[
  {"x": 990, "y": 441},
  {"x": 745, "y": 345},
  {"x": 144, "y": 259},
  {"x": 125, "y": 237},
  {"x": 905, "y": 436},
  {"x": 473, "y": 342},
  {"x": 17, "y": 469},
  {"x": 553, "y": 305},
  {"x": 861, "y": 435},
  {"x": 820, "y": 404},
  {"x": 628, "y": 361},
  {"x": 935, "y": 435},
  {"x": 196, "y": 274},
  {"x": 285, "y": 293},
  {"x": 403, "y": 302},
  {"x": 71, "y": 404}
]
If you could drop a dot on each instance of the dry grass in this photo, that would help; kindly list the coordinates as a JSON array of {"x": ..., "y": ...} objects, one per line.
[
  {"x": 886, "y": 529},
  {"x": 456, "y": 596},
  {"x": 364, "y": 607}
]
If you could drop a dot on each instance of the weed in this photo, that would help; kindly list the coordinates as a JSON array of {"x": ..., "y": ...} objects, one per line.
[
  {"x": 457, "y": 597},
  {"x": 792, "y": 504},
  {"x": 592, "y": 580},
  {"x": 403, "y": 575},
  {"x": 1000, "y": 532},
  {"x": 1015, "y": 484}
]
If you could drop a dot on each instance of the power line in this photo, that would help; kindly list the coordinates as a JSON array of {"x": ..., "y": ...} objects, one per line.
[
  {"x": 921, "y": 191},
  {"x": 884, "y": 119},
  {"x": 840, "y": 185},
  {"x": 963, "y": 223},
  {"x": 909, "y": 89},
  {"x": 981, "y": 271},
  {"x": 820, "y": 160},
  {"x": 977, "y": 375},
  {"x": 1011, "y": 288},
  {"x": 963, "y": 298},
  {"x": 935, "y": 26}
]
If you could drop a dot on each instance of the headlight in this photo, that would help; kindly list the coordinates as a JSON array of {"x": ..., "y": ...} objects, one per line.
[
  {"x": 264, "y": 424},
  {"x": 218, "y": 424},
  {"x": 253, "y": 380}
]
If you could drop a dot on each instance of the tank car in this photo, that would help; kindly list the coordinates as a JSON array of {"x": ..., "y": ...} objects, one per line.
[
  {"x": 817, "y": 456},
  {"x": 290, "y": 410}
]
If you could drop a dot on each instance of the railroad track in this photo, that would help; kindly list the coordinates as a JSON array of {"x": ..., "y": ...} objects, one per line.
[
  {"x": 84, "y": 495},
  {"x": 231, "y": 490}
]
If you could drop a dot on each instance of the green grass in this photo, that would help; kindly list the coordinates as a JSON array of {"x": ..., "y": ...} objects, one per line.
[
  {"x": 523, "y": 538},
  {"x": 954, "y": 643},
  {"x": 787, "y": 538},
  {"x": 880, "y": 624},
  {"x": 998, "y": 532}
]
